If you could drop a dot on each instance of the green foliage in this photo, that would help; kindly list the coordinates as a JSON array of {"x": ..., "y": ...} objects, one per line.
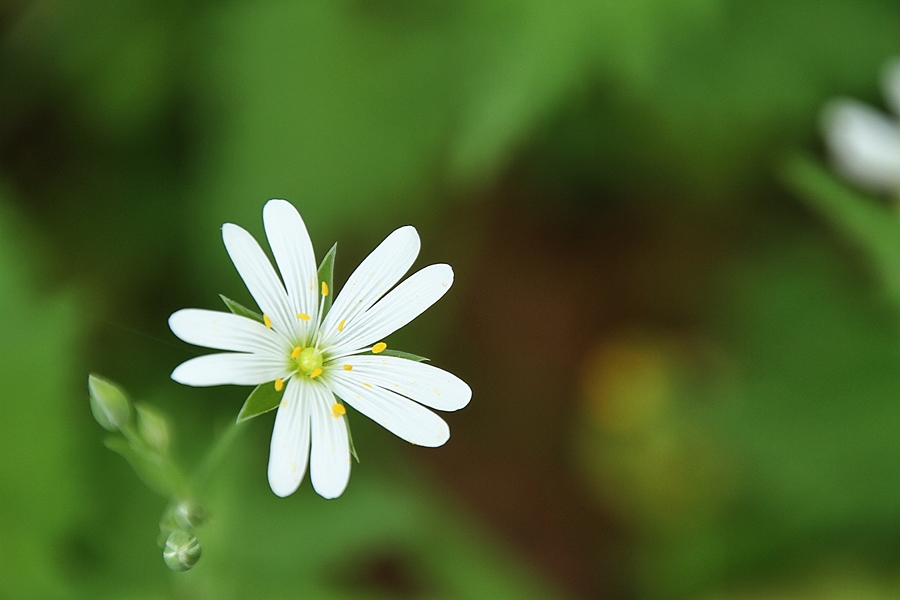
[
  {"x": 865, "y": 221},
  {"x": 394, "y": 92},
  {"x": 41, "y": 486},
  {"x": 818, "y": 383},
  {"x": 771, "y": 450},
  {"x": 721, "y": 101}
]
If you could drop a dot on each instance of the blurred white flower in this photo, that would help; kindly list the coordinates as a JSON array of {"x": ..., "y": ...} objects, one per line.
[
  {"x": 864, "y": 142},
  {"x": 315, "y": 357}
]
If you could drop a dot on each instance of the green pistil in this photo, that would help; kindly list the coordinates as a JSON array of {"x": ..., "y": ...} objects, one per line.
[{"x": 308, "y": 361}]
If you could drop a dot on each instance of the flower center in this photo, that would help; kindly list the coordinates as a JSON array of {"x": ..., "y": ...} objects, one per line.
[{"x": 308, "y": 362}]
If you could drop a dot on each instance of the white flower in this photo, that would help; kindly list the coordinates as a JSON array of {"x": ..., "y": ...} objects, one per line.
[
  {"x": 864, "y": 142},
  {"x": 322, "y": 362}
]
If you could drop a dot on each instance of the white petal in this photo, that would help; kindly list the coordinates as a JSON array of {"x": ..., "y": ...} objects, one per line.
[
  {"x": 233, "y": 369},
  {"x": 289, "y": 450},
  {"x": 864, "y": 144},
  {"x": 374, "y": 277},
  {"x": 260, "y": 278},
  {"x": 401, "y": 416},
  {"x": 226, "y": 331},
  {"x": 329, "y": 462},
  {"x": 422, "y": 382},
  {"x": 890, "y": 78},
  {"x": 403, "y": 304},
  {"x": 294, "y": 255}
]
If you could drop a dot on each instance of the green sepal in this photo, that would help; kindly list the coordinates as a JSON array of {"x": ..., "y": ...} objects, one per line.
[
  {"x": 241, "y": 310},
  {"x": 350, "y": 438},
  {"x": 401, "y": 354},
  {"x": 150, "y": 467},
  {"x": 261, "y": 400},
  {"x": 326, "y": 275}
]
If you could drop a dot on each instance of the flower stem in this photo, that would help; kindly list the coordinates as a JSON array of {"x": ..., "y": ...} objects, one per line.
[
  {"x": 185, "y": 509},
  {"x": 215, "y": 455}
]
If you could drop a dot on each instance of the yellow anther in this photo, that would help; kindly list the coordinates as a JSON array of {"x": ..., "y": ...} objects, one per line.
[
  {"x": 279, "y": 384},
  {"x": 341, "y": 324},
  {"x": 348, "y": 367},
  {"x": 379, "y": 348},
  {"x": 324, "y": 289},
  {"x": 296, "y": 352},
  {"x": 303, "y": 316},
  {"x": 368, "y": 385},
  {"x": 337, "y": 410},
  {"x": 267, "y": 321},
  {"x": 315, "y": 373}
]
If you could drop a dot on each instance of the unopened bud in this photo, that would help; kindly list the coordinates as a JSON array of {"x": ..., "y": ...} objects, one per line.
[
  {"x": 182, "y": 551},
  {"x": 108, "y": 403},
  {"x": 153, "y": 428},
  {"x": 189, "y": 514}
]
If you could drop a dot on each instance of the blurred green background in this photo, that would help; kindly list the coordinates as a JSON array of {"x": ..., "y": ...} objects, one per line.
[{"x": 683, "y": 342}]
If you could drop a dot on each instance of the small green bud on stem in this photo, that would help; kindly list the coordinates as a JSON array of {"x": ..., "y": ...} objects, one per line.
[
  {"x": 182, "y": 551},
  {"x": 153, "y": 428},
  {"x": 188, "y": 514},
  {"x": 109, "y": 404}
]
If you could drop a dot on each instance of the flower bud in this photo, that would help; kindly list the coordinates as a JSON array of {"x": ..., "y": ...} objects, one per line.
[
  {"x": 182, "y": 551},
  {"x": 189, "y": 514},
  {"x": 153, "y": 428},
  {"x": 108, "y": 403}
]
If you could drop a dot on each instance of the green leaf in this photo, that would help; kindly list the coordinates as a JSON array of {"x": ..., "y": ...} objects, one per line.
[
  {"x": 240, "y": 309},
  {"x": 326, "y": 276},
  {"x": 401, "y": 354},
  {"x": 149, "y": 466},
  {"x": 261, "y": 400}
]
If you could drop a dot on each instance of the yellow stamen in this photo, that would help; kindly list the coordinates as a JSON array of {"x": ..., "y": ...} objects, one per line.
[
  {"x": 348, "y": 367},
  {"x": 315, "y": 373},
  {"x": 267, "y": 321},
  {"x": 303, "y": 316},
  {"x": 341, "y": 324},
  {"x": 296, "y": 352},
  {"x": 279, "y": 384},
  {"x": 368, "y": 385},
  {"x": 337, "y": 410},
  {"x": 379, "y": 348},
  {"x": 324, "y": 289}
]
